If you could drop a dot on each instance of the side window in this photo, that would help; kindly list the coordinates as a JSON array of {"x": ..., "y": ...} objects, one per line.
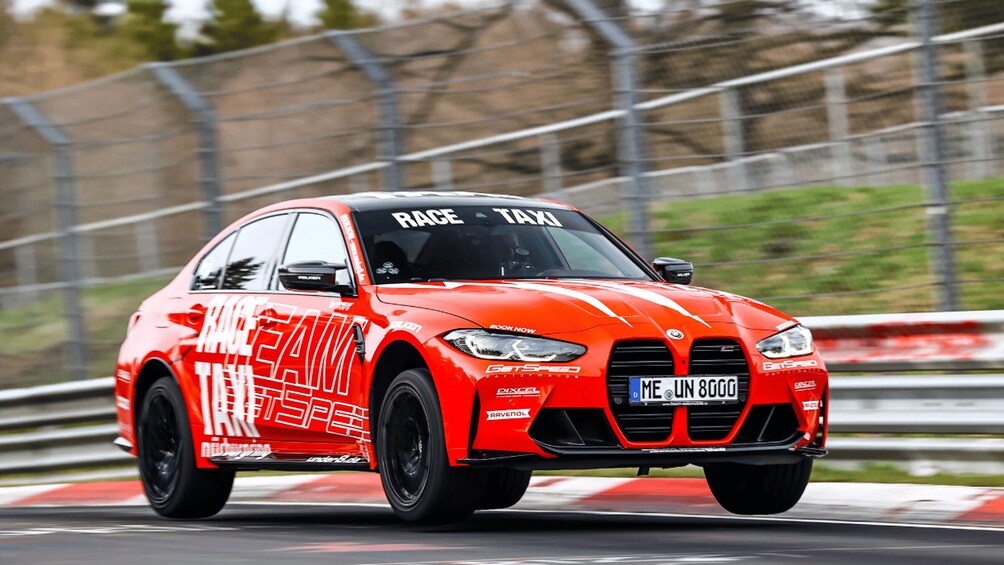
[
  {"x": 317, "y": 238},
  {"x": 209, "y": 273},
  {"x": 250, "y": 261}
]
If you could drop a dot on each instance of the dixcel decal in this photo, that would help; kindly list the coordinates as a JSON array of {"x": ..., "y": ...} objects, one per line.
[
  {"x": 517, "y": 392},
  {"x": 810, "y": 405},
  {"x": 514, "y": 329},
  {"x": 517, "y": 414},
  {"x": 805, "y": 385},
  {"x": 674, "y": 334},
  {"x": 531, "y": 368},
  {"x": 789, "y": 364}
]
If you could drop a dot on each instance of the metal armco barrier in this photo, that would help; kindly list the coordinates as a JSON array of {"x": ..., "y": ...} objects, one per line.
[
  {"x": 936, "y": 341},
  {"x": 71, "y": 426}
]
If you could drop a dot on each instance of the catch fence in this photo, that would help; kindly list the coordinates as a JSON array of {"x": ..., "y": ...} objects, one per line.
[{"x": 823, "y": 163}]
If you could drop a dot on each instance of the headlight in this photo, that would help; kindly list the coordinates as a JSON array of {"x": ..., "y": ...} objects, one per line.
[
  {"x": 485, "y": 345},
  {"x": 792, "y": 342}
]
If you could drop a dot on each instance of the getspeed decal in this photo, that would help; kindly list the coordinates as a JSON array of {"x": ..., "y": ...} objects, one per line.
[
  {"x": 532, "y": 368},
  {"x": 788, "y": 364}
]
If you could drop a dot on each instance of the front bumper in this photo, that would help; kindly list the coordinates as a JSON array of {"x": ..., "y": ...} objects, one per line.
[{"x": 610, "y": 457}]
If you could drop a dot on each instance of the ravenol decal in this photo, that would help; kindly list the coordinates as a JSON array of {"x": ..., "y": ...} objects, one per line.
[{"x": 515, "y": 414}]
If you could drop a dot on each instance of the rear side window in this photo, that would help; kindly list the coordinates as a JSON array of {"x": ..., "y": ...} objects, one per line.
[
  {"x": 317, "y": 238},
  {"x": 209, "y": 273},
  {"x": 250, "y": 263}
]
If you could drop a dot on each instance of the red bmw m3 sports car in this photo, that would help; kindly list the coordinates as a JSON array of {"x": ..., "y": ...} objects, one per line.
[{"x": 454, "y": 343}]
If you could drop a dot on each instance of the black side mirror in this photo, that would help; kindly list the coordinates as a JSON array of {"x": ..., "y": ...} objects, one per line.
[
  {"x": 312, "y": 275},
  {"x": 676, "y": 271}
]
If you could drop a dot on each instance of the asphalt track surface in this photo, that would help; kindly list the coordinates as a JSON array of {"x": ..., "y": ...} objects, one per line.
[{"x": 298, "y": 533}]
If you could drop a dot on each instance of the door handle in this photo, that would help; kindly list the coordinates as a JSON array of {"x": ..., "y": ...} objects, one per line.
[{"x": 267, "y": 318}]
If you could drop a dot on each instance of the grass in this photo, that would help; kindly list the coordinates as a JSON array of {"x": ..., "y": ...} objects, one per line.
[{"x": 865, "y": 251}]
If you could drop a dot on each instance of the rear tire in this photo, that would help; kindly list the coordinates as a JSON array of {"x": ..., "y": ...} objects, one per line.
[
  {"x": 758, "y": 489},
  {"x": 175, "y": 487},
  {"x": 417, "y": 478},
  {"x": 503, "y": 488}
]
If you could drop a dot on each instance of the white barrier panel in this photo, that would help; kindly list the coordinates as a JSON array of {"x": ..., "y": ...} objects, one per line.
[{"x": 939, "y": 341}]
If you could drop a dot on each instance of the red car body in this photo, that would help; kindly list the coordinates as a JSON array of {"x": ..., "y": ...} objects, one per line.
[{"x": 292, "y": 379}]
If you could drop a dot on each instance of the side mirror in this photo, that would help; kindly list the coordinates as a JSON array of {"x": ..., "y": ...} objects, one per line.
[
  {"x": 676, "y": 271},
  {"x": 312, "y": 275}
]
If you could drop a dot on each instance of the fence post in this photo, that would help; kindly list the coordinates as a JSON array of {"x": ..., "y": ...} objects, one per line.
[
  {"x": 733, "y": 140},
  {"x": 550, "y": 164},
  {"x": 66, "y": 209},
  {"x": 934, "y": 175},
  {"x": 980, "y": 137},
  {"x": 391, "y": 138},
  {"x": 442, "y": 174},
  {"x": 205, "y": 124},
  {"x": 836, "y": 117},
  {"x": 630, "y": 138}
]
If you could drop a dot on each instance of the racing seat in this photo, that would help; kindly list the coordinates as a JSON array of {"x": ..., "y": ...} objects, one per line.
[{"x": 390, "y": 263}]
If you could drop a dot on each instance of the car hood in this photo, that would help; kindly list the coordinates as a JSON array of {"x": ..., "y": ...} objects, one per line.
[{"x": 549, "y": 307}]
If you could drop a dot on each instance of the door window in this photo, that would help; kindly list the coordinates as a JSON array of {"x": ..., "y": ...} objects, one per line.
[
  {"x": 317, "y": 238},
  {"x": 209, "y": 273},
  {"x": 250, "y": 263}
]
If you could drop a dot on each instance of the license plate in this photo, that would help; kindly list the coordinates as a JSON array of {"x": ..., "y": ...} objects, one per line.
[{"x": 694, "y": 390}]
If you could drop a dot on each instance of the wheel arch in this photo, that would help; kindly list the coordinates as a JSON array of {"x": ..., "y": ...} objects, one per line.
[
  {"x": 394, "y": 358},
  {"x": 153, "y": 370}
]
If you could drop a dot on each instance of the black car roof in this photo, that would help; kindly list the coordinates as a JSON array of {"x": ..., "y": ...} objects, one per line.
[{"x": 368, "y": 201}]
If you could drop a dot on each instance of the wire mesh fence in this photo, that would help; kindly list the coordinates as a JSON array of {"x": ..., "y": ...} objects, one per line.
[{"x": 826, "y": 159}]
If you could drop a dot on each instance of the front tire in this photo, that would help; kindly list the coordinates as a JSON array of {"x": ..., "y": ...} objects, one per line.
[
  {"x": 417, "y": 478},
  {"x": 175, "y": 487},
  {"x": 758, "y": 489},
  {"x": 503, "y": 488}
]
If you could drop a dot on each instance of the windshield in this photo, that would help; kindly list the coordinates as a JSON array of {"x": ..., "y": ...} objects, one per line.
[{"x": 482, "y": 243}]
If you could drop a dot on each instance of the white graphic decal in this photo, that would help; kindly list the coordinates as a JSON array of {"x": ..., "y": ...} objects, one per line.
[
  {"x": 788, "y": 364},
  {"x": 228, "y": 399},
  {"x": 417, "y": 218},
  {"x": 805, "y": 385},
  {"x": 229, "y": 450},
  {"x": 517, "y": 392},
  {"x": 123, "y": 375},
  {"x": 420, "y": 193},
  {"x": 405, "y": 325},
  {"x": 515, "y": 329},
  {"x": 531, "y": 368},
  {"x": 648, "y": 295},
  {"x": 122, "y": 402},
  {"x": 350, "y": 243},
  {"x": 528, "y": 216},
  {"x": 517, "y": 414},
  {"x": 536, "y": 287},
  {"x": 810, "y": 405},
  {"x": 674, "y": 334},
  {"x": 347, "y": 459}
]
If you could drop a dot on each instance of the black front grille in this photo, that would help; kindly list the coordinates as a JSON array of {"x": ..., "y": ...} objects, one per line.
[
  {"x": 639, "y": 359},
  {"x": 717, "y": 357}
]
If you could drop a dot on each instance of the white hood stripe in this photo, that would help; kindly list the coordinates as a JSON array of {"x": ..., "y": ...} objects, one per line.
[{"x": 647, "y": 295}]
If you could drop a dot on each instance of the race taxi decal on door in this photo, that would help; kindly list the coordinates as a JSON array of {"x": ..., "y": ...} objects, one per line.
[{"x": 266, "y": 363}]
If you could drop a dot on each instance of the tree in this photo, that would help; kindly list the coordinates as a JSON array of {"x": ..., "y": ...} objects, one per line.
[
  {"x": 235, "y": 24},
  {"x": 340, "y": 14},
  {"x": 146, "y": 26}
]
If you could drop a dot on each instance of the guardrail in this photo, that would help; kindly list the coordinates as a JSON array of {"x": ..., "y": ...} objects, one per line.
[{"x": 71, "y": 426}]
